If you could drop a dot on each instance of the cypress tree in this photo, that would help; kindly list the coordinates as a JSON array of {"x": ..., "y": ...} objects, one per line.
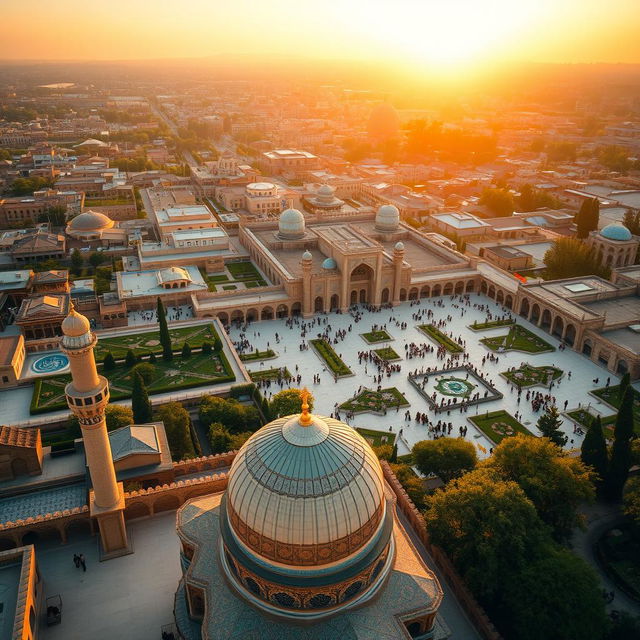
[
  {"x": 186, "y": 350},
  {"x": 620, "y": 462},
  {"x": 140, "y": 404},
  {"x": 165, "y": 338},
  {"x": 594, "y": 450},
  {"x": 582, "y": 219},
  {"x": 109, "y": 362},
  {"x": 549, "y": 424},
  {"x": 131, "y": 359},
  {"x": 394, "y": 454},
  {"x": 594, "y": 214},
  {"x": 624, "y": 383},
  {"x": 206, "y": 348},
  {"x": 264, "y": 405},
  {"x": 217, "y": 344}
]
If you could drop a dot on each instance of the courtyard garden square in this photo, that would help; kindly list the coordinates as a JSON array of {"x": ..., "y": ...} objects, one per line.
[{"x": 329, "y": 393}]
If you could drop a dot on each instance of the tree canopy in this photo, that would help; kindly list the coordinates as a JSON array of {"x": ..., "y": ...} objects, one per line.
[
  {"x": 140, "y": 403},
  {"x": 549, "y": 424},
  {"x": 287, "y": 402},
  {"x": 235, "y": 417},
  {"x": 594, "y": 450},
  {"x": 177, "y": 425},
  {"x": 571, "y": 258},
  {"x": 620, "y": 461},
  {"x": 556, "y": 483},
  {"x": 446, "y": 457}
]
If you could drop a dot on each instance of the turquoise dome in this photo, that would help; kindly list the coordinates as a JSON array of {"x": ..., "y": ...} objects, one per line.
[
  {"x": 329, "y": 263},
  {"x": 616, "y": 232}
]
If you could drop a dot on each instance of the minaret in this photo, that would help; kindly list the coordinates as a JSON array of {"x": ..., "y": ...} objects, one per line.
[
  {"x": 87, "y": 397},
  {"x": 307, "y": 294},
  {"x": 398, "y": 261}
]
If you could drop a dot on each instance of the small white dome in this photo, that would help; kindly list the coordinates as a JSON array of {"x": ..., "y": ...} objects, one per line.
[
  {"x": 307, "y": 255},
  {"x": 399, "y": 246},
  {"x": 291, "y": 225},
  {"x": 325, "y": 190},
  {"x": 90, "y": 221},
  {"x": 387, "y": 218}
]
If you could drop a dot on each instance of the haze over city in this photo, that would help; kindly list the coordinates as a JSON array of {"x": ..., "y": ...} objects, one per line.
[{"x": 320, "y": 320}]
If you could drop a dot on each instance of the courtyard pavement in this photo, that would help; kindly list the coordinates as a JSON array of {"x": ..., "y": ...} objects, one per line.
[{"x": 328, "y": 392}]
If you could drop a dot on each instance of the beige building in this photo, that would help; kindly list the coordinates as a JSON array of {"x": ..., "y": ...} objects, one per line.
[{"x": 12, "y": 354}]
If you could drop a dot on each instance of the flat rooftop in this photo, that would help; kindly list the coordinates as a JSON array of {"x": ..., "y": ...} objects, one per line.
[
  {"x": 9, "y": 586},
  {"x": 617, "y": 310},
  {"x": 461, "y": 220},
  {"x": 39, "y": 503},
  {"x": 625, "y": 337}
]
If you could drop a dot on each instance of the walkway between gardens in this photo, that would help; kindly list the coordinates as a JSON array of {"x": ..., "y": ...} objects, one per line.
[{"x": 328, "y": 393}]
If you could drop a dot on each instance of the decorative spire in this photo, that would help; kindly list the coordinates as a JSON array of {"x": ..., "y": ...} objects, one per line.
[{"x": 305, "y": 416}]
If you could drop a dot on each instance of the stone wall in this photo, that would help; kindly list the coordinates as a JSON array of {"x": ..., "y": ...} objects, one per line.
[{"x": 476, "y": 613}]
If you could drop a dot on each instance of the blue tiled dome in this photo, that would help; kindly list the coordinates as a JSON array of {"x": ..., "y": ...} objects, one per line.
[
  {"x": 616, "y": 232},
  {"x": 329, "y": 263}
]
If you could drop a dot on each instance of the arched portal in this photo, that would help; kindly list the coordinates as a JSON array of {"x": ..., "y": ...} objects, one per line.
[
  {"x": 471, "y": 285},
  {"x": 448, "y": 289},
  {"x": 252, "y": 315},
  {"x": 318, "y": 304},
  {"x": 267, "y": 313},
  {"x": 570, "y": 335},
  {"x": 500, "y": 297},
  {"x": 403, "y": 295},
  {"x": 223, "y": 317},
  {"x": 459, "y": 287},
  {"x": 525, "y": 308},
  {"x": 425, "y": 291},
  {"x": 237, "y": 316},
  {"x": 546, "y": 320},
  {"x": 558, "y": 327},
  {"x": 354, "y": 297},
  {"x": 483, "y": 286},
  {"x": 362, "y": 277},
  {"x": 437, "y": 290},
  {"x": 282, "y": 311},
  {"x": 363, "y": 296},
  {"x": 535, "y": 313},
  {"x": 508, "y": 302},
  {"x": 413, "y": 293},
  {"x": 335, "y": 301},
  {"x": 385, "y": 296},
  {"x": 296, "y": 309},
  {"x": 492, "y": 292},
  {"x": 587, "y": 347}
]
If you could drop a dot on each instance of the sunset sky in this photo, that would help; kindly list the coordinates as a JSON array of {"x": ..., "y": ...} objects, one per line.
[{"x": 441, "y": 34}]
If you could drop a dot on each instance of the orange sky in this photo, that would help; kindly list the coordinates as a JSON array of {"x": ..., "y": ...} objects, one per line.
[{"x": 441, "y": 34}]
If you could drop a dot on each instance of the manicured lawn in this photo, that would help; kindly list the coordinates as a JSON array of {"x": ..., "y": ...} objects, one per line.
[
  {"x": 377, "y": 438},
  {"x": 219, "y": 277},
  {"x": 229, "y": 287},
  {"x": 145, "y": 343},
  {"x": 243, "y": 270},
  {"x": 257, "y": 355},
  {"x": 518, "y": 339},
  {"x": 181, "y": 373},
  {"x": 528, "y": 376},
  {"x": 611, "y": 395},
  {"x": 584, "y": 418},
  {"x": 492, "y": 324},
  {"x": 270, "y": 374},
  {"x": 435, "y": 334},
  {"x": 368, "y": 400},
  {"x": 331, "y": 358},
  {"x": 497, "y": 425},
  {"x": 254, "y": 285},
  {"x": 387, "y": 353},
  {"x": 376, "y": 336}
]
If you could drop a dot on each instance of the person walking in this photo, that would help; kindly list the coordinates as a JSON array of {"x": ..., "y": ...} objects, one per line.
[
  {"x": 82, "y": 562},
  {"x": 76, "y": 560}
]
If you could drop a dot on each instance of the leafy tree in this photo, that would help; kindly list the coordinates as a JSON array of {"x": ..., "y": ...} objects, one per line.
[
  {"x": 177, "y": 424},
  {"x": 583, "y": 219},
  {"x": 488, "y": 528},
  {"x": 498, "y": 201},
  {"x": 96, "y": 259},
  {"x": 410, "y": 483},
  {"x": 556, "y": 595},
  {"x": 549, "y": 425},
  {"x": 561, "y": 151},
  {"x": 266, "y": 411},
  {"x": 130, "y": 359},
  {"x": 109, "y": 362},
  {"x": 219, "y": 438},
  {"x": 287, "y": 402},
  {"x": 146, "y": 370},
  {"x": 571, "y": 258},
  {"x": 620, "y": 461},
  {"x": 186, "y": 350},
  {"x": 446, "y": 457},
  {"x": 383, "y": 452},
  {"x": 238, "y": 439},
  {"x": 631, "y": 220},
  {"x": 594, "y": 450},
  {"x": 614, "y": 158},
  {"x": 140, "y": 403},
  {"x": 556, "y": 483},
  {"x": 631, "y": 500},
  {"x": 165, "y": 336},
  {"x": 118, "y": 416},
  {"x": 624, "y": 627},
  {"x": 77, "y": 261},
  {"x": 233, "y": 415},
  {"x": 56, "y": 216}
]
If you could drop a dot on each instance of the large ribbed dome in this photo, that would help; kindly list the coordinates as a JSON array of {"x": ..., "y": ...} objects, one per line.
[
  {"x": 305, "y": 485},
  {"x": 90, "y": 221}
]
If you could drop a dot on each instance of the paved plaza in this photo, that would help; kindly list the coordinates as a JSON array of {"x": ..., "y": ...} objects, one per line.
[{"x": 328, "y": 393}]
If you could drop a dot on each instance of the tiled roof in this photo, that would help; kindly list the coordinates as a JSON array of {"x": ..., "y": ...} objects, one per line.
[
  {"x": 15, "y": 437},
  {"x": 134, "y": 439}
]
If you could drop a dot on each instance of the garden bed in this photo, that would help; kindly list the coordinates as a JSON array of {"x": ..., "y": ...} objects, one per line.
[
  {"x": 335, "y": 363},
  {"x": 276, "y": 373},
  {"x": 583, "y": 418},
  {"x": 377, "y": 438},
  {"x": 258, "y": 355},
  {"x": 529, "y": 376},
  {"x": 387, "y": 353},
  {"x": 375, "y": 401},
  {"x": 611, "y": 397},
  {"x": 149, "y": 342},
  {"x": 441, "y": 338},
  {"x": 181, "y": 373},
  {"x": 498, "y": 425},
  {"x": 371, "y": 337},
  {"x": 518, "y": 339},
  {"x": 491, "y": 324}
]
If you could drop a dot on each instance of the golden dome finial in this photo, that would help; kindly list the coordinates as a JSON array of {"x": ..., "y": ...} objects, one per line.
[{"x": 305, "y": 416}]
